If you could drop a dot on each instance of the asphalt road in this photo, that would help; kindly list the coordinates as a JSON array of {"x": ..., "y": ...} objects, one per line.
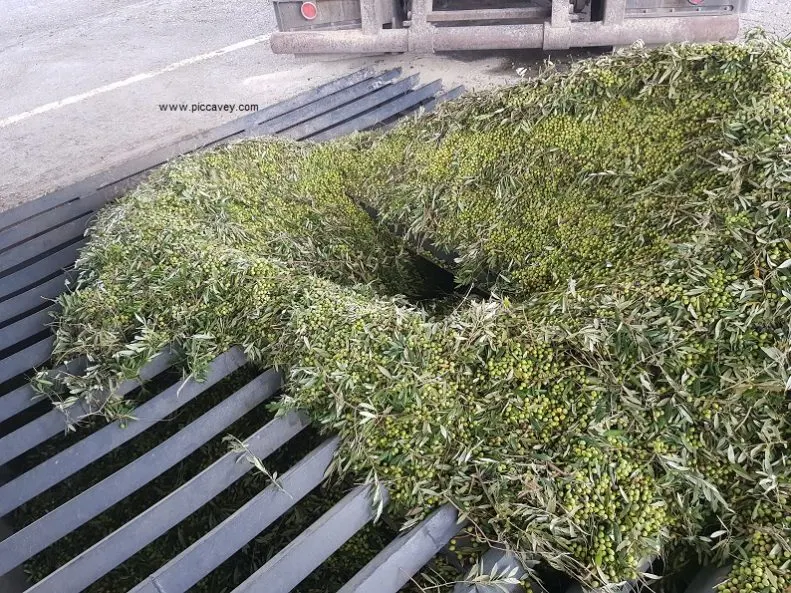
[
  {"x": 772, "y": 15},
  {"x": 73, "y": 49},
  {"x": 81, "y": 81}
]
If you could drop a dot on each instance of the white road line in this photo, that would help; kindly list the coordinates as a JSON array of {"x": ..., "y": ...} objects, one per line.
[{"x": 131, "y": 80}]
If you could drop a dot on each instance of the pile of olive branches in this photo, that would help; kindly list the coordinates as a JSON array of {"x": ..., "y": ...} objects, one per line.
[{"x": 620, "y": 395}]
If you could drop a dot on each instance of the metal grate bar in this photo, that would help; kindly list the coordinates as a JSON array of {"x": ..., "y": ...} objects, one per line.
[
  {"x": 453, "y": 93},
  {"x": 54, "y": 218},
  {"x": 28, "y": 210},
  {"x": 299, "y": 101},
  {"x": 23, "y": 397},
  {"x": 69, "y": 516},
  {"x": 131, "y": 537},
  {"x": 33, "y": 208},
  {"x": 346, "y": 112},
  {"x": 31, "y": 299},
  {"x": 390, "y": 119},
  {"x": 55, "y": 421},
  {"x": 380, "y": 114},
  {"x": 231, "y": 535},
  {"x": 394, "y": 566},
  {"x": 26, "y": 359},
  {"x": 313, "y": 95},
  {"x": 26, "y": 327},
  {"x": 67, "y": 462},
  {"x": 498, "y": 563},
  {"x": 18, "y": 400},
  {"x": 707, "y": 580},
  {"x": 309, "y": 549},
  {"x": 26, "y": 251},
  {"x": 332, "y": 102},
  {"x": 31, "y": 276}
]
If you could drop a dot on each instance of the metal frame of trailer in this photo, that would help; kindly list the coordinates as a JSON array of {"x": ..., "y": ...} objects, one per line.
[
  {"x": 38, "y": 243},
  {"x": 374, "y": 26}
]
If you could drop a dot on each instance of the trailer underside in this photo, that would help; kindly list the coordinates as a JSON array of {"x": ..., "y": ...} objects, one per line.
[{"x": 376, "y": 26}]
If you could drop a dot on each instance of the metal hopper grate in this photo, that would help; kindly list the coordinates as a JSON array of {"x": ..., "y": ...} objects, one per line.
[{"x": 39, "y": 242}]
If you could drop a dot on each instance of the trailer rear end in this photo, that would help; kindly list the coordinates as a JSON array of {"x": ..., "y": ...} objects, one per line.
[{"x": 381, "y": 26}]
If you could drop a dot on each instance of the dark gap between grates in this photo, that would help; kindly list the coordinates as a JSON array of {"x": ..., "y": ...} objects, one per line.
[
  {"x": 31, "y": 413},
  {"x": 116, "y": 516},
  {"x": 39, "y": 257},
  {"x": 14, "y": 382},
  {"x": 24, "y": 289},
  {"x": 29, "y": 341},
  {"x": 362, "y": 114},
  {"x": 86, "y": 428},
  {"x": 161, "y": 550},
  {"x": 75, "y": 216}
]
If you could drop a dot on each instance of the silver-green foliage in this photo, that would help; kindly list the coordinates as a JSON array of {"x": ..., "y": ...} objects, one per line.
[{"x": 625, "y": 395}]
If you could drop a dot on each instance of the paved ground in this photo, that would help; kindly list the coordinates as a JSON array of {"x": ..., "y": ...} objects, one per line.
[
  {"x": 105, "y": 60},
  {"x": 772, "y": 15},
  {"x": 81, "y": 81}
]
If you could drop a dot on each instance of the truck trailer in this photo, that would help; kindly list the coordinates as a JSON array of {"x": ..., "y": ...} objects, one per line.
[{"x": 425, "y": 26}]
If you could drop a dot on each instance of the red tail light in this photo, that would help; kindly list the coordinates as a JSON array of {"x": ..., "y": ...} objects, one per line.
[{"x": 309, "y": 10}]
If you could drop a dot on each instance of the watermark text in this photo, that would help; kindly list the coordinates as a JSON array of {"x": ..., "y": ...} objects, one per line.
[{"x": 208, "y": 107}]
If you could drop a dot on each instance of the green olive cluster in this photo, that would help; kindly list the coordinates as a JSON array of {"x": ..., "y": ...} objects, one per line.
[
  {"x": 612, "y": 498},
  {"x": 764, "y": 570}
]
